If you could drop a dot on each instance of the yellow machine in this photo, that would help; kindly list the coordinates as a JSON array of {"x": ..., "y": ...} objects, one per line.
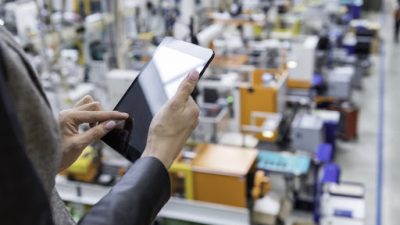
[
  {"x": 86, "y": 6},
  {"x": 86, "y": 167},
  {"x": 182, "y": 179},
  {"x": 262, "y": 102},
  {"x": 283, "y": 29}
]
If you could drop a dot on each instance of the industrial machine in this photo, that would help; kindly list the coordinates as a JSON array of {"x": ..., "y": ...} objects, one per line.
[
  {"x": 214, "y": 121},
  {"x": 118, "y": 81},
  {"x": 216, "y": 173},
  {"x": 340, "y": 81},
  {"x": 343, "y": 203},
  {"x": 301, "y": 62},
  {"x": 21, "y": 17},
  {"x": 307, "y": 132},
  {"x": 261, "y": 103},
  {"x": 267, "y": 54},
  {"x": 86, "y": 167}
]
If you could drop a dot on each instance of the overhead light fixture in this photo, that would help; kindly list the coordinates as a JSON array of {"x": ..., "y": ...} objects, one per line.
[
  {"x": 292, "y": 64},
  {"x": 1, "y": 22}
]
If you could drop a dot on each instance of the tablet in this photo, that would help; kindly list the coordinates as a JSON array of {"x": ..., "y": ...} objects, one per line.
[{"x": 172, "y": 61}]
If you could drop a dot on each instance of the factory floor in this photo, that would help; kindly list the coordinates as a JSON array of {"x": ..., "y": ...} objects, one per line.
[
  {"x": 391, "y": 136},
  {"x": 378, "y": 131}
]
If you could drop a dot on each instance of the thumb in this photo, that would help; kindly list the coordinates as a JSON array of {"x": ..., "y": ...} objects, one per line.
[
  {"x": 96, "y": 132},
  {"x": 186, "y": 88}
]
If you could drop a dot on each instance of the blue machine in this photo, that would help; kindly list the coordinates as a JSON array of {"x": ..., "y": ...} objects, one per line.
[
  {"x": 282, "y": 162},
  {"x": 324, "y": 153},
  {"x": 331, "y": 124},
  {"x": 330, "y": 174}
]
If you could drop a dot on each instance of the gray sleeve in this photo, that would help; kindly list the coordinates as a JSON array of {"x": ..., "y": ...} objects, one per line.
[
  {"x": 23, "y": 197},
  {"x": 136, "y": 199},
  {"x": 61, "y": 216}
]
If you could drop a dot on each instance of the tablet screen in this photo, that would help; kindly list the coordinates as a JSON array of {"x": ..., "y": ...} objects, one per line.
[
  {"x": 165, "y": 61},
  {"x": 157, "y": 83}
]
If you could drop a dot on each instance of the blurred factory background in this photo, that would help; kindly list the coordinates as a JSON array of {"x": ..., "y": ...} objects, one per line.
[{"x": 298, "y": 121}]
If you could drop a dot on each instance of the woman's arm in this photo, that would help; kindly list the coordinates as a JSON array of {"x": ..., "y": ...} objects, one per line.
[{"x": 145, "y": 188}]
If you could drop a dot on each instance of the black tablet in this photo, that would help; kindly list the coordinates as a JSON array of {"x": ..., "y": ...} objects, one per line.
[{"x": 157, "y": 82}]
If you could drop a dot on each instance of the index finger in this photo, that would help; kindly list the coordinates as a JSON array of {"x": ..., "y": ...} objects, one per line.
[
  {"x": 186, "y": 87},
  {"x": 97, "y": 116}
]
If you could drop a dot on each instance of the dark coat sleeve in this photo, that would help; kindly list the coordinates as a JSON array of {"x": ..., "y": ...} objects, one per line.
[
  {"x": 23, "y": 199},
  {"x": 136, "y": 199}
]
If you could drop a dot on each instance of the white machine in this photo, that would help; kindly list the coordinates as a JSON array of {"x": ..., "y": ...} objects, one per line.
[
  {"x": 307, "y": 132},
  {"x": 214, "y": 121},
  {"x": 25, "y": 16},
  {"x": 118, "y": 81},
  {"x": 301, "y": 59},
  {"x": 340, "y": 82},
  {"x": 61, "y": 99},
  {"x": 208, "y": 34},
  {"x": 64, "y": 87},
  {"x": 267, "y": 53},
  {"x": 67, "y": 4},
  {"x": 343, "y": 204},
  {"x": 340, "y": 221},
  {"x": 328, "y": 115}
]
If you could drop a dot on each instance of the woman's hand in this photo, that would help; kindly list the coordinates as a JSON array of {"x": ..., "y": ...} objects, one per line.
[
  {"x": 173, "y": 124},
  {"x": 85, "y": 111}
]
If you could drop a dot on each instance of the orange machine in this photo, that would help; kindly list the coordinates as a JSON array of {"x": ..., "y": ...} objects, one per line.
[
  {"x": 299, "y": 84},
  {"x": 220, "y": 173},
  {"x": 263, "y": 97},
  {"x": 229, "y": 61}
]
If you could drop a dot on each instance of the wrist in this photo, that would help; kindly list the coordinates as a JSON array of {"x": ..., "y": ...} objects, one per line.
[{"x": 155, "y": 154}]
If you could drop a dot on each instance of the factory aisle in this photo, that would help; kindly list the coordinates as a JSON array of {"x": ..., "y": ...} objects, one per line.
[
  {"x": 391, "y": 166},
  {"x": 359, "y": 159}
]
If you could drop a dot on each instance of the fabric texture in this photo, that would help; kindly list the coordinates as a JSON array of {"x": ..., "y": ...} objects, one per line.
[
  {"x": 41, "y": 136},
  {"x": 18, "y": 176},
  {"x": 40, "y": 130},
  {"x": 149, "y": 181}
]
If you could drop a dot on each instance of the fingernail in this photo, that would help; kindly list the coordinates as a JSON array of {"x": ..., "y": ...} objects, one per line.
[
  {"x": 125, "y": 114},
  {"x": 110, "y": 125},
  {"x": 194, "y": 76}
]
